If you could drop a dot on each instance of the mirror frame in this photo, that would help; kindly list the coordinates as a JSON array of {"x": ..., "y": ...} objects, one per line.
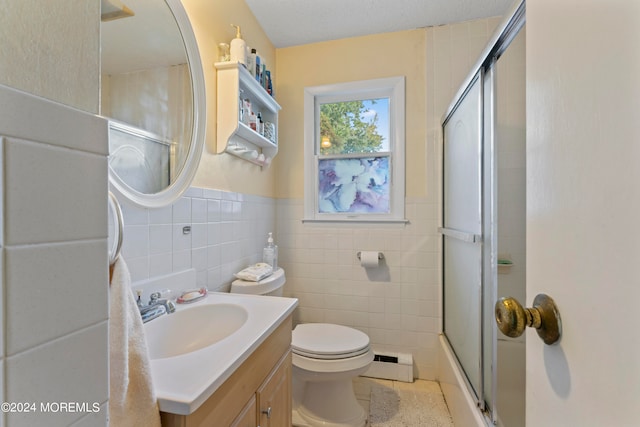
[{"x": 185, "y": 177}]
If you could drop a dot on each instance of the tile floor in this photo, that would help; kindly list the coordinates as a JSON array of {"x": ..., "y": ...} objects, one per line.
[{"x": 399, "y": 404}]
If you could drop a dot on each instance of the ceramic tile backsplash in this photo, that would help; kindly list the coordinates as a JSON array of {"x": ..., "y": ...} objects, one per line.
[
  {"x": 395, "y": 304},
  {"x": 227, "y": 232}
]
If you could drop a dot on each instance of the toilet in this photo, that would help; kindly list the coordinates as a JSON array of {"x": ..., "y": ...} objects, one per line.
[{"x": 326, "y": 358}]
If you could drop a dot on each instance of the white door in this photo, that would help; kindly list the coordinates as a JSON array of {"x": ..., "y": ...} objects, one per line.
[{"x": 583, "y": 210}]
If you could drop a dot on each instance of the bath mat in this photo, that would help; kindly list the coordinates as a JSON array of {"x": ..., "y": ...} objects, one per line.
[{"x": 408, "y": 406}]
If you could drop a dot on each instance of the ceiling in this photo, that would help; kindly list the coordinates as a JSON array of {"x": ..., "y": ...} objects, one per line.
[{"x": 296, "y": 22}]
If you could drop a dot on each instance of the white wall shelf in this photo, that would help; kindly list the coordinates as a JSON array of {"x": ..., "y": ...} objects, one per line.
[{"x": 233, "y": 136}]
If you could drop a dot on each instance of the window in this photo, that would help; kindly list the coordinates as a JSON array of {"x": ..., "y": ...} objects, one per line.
[{"x": 354, "y": 151}]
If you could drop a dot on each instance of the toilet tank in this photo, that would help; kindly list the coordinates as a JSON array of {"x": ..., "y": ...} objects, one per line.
[{"x": 271, "y": 285}]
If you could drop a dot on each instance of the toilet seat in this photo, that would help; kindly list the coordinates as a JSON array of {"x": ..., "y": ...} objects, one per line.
[{"x": 326, "y": 341}]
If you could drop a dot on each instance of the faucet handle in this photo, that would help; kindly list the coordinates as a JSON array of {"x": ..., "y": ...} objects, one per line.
[
  {"x": 139, "y": 297},
  {"x": 162, "y": 293},
  {"x": 171, "y": 306}
]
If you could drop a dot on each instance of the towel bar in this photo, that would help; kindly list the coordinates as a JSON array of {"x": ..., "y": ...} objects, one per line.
[{"x": 114, "y": 253}]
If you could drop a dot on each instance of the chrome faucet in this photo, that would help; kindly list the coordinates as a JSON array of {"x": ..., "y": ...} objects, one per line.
[{"x": 157, "y": 307}]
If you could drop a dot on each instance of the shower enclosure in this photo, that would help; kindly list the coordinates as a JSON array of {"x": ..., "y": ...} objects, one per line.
[{"x": 483, "y": 226}]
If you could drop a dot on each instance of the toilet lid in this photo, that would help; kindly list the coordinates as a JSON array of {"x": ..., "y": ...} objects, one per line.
[{"x": 328, "y": 341}]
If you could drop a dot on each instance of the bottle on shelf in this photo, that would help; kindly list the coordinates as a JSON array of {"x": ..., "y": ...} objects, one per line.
[
  {"x": 238, "y": 48},
  {"x": 259, "y": 124},
  {"x": 253, "y": 122},
  {"x": 251, "y": 62},
  {"x": 256, "y": 73}
]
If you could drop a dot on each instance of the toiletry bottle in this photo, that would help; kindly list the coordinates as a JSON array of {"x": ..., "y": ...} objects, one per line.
[
  {"x": 259, "y": 124},
  {"x": 258, "y": 66},
  {"x": 238, "y": 48},
  {"x": 251, "y": 62},
  {"x": 253, "y": 122},
  {"x": 269, "y": 83},
  {"x": 270, "y": 253}
]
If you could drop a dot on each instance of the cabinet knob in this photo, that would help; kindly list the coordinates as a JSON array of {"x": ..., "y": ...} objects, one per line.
[{"x": 267, "y": 412}]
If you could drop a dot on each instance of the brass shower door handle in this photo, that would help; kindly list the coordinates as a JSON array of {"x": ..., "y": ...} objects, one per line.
[{"x": 512, "y": 318}]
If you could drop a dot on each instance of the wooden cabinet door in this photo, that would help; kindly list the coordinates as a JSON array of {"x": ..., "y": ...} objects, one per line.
[
  {"x": 248, "y": 415},
  {"x": 274, "y": 396}
]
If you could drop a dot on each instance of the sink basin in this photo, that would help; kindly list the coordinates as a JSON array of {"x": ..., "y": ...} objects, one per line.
[{"x": 192, "y": 328}]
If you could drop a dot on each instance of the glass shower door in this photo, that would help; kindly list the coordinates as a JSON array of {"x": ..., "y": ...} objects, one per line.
[{"x": 462, "y": 233}]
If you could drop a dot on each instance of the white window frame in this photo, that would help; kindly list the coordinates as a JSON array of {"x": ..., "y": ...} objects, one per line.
[{"x": 392, "y": 88}]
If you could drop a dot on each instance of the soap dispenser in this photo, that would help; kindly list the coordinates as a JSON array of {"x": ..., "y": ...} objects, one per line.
[
  {"x": 270, "y": 253},
  {"x": 238, "y": 48}
]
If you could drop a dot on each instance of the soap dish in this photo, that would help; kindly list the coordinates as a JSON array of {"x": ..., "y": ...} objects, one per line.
[{"x": 192, "y": 295}]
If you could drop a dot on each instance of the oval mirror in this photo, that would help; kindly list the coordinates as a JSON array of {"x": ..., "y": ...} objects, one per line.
[{"x": 152, "y": 92}]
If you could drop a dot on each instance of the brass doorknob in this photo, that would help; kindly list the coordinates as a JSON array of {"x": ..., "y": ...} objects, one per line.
[{"x": 512, "y": 318}]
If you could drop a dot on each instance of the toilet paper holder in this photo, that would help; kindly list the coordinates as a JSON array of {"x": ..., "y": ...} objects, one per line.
[{"x": 380, "y": 255}]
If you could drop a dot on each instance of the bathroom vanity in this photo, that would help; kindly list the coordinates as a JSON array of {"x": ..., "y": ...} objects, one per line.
[
  {"x": 222, "y": 361},
  {"x": 258, "y": 393}
]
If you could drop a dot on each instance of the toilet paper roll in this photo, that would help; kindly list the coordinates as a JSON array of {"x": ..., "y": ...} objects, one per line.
[{"x": 369, "y": 259}]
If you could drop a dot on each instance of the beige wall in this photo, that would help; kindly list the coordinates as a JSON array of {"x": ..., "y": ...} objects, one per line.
[
  {"x": 360, "y": 58},
  {"x": 52, "y": 49},
  {"x": 211, "y": 21}
]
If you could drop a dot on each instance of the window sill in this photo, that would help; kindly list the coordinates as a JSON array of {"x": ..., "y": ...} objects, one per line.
[{"x": 355, "y": 221}]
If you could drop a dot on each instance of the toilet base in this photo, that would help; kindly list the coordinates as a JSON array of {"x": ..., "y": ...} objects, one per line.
[{"x": 329, "y": 404}]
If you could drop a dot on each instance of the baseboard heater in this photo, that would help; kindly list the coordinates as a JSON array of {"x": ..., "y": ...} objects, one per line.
[{"x": 391, "y": 366}]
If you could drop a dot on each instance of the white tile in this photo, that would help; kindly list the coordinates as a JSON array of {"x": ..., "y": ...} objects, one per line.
[
  {"x": 181, "y": 260},
  {"x": 182, "y": 211},
  {"x": 181, "y": 241},
  {"x": 226, "y": 210},
  {"x": 161, "y": 215},
  {"x": 160, "y": 264},
  {"x": 199, "y": 259},
  {"x": 37, "y": 205},
  {"x": 56, "y": 124},
  {"x": 93, "y": 419},
  {"x": 70, "y": 369},
  {"x": 194, "y": 192},
  {"x": 201, "y": 278},
  {"x": 199, "y": 235},
  {"x": 213, "y": 278},
  {"x": 213, "y": 256},
  {"x": 160, "y": 239},
  {"x": 2, "y": 399},
  {"x": 138, "y": 268},
  {"x": 136, "y": 241},
  {"x": 63, "y": 294},
  {"x": 229, "y": 195},
  {"x": 2, "y": 292},
  {"x": 199, "y": 210},
  {"x": 132, "y": 214},
  {"x": 211, "y": 194},
  {"x": 213, "y": 211}
]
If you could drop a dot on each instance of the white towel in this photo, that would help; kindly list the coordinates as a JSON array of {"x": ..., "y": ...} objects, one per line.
[{"x": 132, "y": 400}]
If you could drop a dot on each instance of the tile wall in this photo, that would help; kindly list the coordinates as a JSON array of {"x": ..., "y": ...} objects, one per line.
[
  {"x": 53, "y": 251},
  {"x": 396, "y": 304},
  {"x": 228, "y": 232}
]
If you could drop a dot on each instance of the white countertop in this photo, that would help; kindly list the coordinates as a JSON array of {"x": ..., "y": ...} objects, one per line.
[{"x": 183, "y": 383}]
